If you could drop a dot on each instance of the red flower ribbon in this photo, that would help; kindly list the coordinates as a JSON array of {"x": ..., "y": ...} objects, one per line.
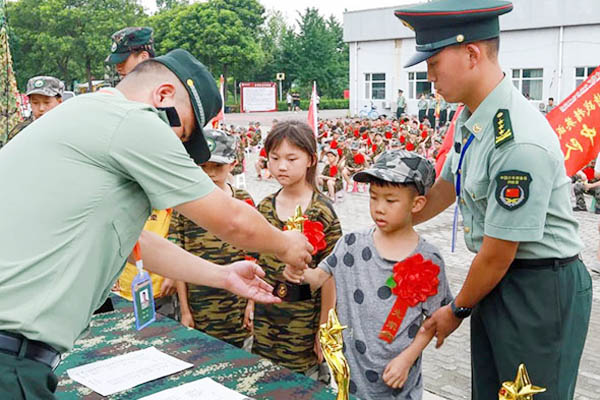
[
  {"x": 410, "y": 146},
  {"x": 313, "y": 230},
  {"x": 249, "y": 201},
  {"x": 359, "y": 159},
  {"x": 413, "y": 281},
  {"x": 388, "y": 135},
  {"x": 333, "y": 171}
]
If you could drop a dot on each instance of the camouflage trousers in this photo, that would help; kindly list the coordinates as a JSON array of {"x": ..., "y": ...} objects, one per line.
[{"x": 579, "y": 191}]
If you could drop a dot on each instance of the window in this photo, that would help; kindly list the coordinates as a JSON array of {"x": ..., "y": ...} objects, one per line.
[
  {"x": 530, "y": 82},
  {"x": 417, "y": 84},
  {"x": 375, "y": 86},
  {"x": 581, "y": 74}
]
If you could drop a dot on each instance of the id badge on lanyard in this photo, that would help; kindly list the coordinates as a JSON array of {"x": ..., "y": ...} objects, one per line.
[
  {"x": 141, "y": 290},
  {"x": 457, "y": 186}
]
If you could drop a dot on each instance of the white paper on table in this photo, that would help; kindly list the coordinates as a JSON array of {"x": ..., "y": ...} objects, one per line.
[
  {"x": 123, "y": 372},
  {"x": 204, "y": 388}
]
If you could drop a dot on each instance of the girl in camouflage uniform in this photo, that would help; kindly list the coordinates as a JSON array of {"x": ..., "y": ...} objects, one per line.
[{"x": 286, "y": 332}]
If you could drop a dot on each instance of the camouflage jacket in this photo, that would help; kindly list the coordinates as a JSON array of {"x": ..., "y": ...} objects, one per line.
[
  {"x": 22, "y": 125},
  {"x": 216, "y": 312},
  {"x": 239, "y": 157},
  {"x": 285, "y": 332},
  {"x": 339, "y": 183}
]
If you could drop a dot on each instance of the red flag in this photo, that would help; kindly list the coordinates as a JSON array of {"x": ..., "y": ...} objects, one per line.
[
  {"x": 312, "y": 110},
  {"x": 447, "y": 144},
  {"x": 220, "y": 115},
  {"x": 576, "y": 121}
]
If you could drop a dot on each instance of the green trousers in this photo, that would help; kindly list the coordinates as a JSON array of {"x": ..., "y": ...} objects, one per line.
[
  {"x": 538, "y": 316},
  {"x": 25, "y": 379}
]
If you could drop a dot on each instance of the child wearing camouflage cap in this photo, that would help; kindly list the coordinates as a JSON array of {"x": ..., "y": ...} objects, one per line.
[
  {"x": 363, "y": 261},
  {"x": 216, "y": 312},
  {"x": 45, "y": 93}
]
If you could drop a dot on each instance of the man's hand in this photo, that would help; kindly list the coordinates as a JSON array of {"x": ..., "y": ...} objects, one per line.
[
  {"x": 187, "y": 320},
  {"x": 298, "y": 250},
  {"x": 443, "y": 322},
  {"x": 249, "y": 316},
  {"x": 168, "y": 287},
  {"x": 244, "y": 279},
  {"x": 396, "y": 372}
]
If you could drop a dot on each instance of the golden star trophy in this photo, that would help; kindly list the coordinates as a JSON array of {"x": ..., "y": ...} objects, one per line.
[
  {"x": 332, "y": 343},
  {"x": 285, "y": 290},
  {"x": 519, "y": 389}
]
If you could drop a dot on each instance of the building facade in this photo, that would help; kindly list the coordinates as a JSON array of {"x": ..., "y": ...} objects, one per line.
[{"x": 548, "y": 47}]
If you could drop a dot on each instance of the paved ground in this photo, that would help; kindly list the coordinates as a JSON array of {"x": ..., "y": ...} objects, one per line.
[{"x": 447, "y": 370}]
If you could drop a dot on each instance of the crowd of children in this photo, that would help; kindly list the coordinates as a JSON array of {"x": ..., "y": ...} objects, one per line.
[{"x": 394, "y": 159}]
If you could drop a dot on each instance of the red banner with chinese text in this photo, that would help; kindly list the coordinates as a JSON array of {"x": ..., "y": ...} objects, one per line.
[{"x": 576, "y": 121}]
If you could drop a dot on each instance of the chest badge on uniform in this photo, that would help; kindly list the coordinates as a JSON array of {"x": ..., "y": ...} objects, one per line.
[
  {"x": 512, "y": 189},
  {"x": 502, "y": 127}
]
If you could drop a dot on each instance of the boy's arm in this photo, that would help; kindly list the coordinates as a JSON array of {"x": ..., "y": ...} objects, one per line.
[
  {"x": 396, "y": 372},
  {"x": 186, "y": 313},
  {"x": 315, "y": 277}
]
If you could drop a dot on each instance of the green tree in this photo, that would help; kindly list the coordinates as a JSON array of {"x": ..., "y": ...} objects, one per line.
[
  {"x": 221, "y": 35},
  {"x": 66, "y": 38}
]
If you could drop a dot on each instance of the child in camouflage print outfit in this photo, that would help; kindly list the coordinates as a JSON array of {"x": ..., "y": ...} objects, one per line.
[
  {"x": 285, "y": 333},
  {"x": 216, "y": 312}
]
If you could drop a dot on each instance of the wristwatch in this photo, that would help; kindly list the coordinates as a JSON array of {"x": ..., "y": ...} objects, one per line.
[{"x": 460, "y": 312}]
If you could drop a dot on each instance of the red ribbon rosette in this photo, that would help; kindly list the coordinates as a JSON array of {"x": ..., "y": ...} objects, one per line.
[
  {"x": 249, "y": 201},
  {"x": 402, "y": 139},
  {"x": 340, "y": 152},
  {"x": 410, "y": 146},
  {"x": 263, "y": 152},
  {"x": 388, "y": 135},
  {"x": 333, "y": 144},
  {"x": 313, "y": 231},
  {"x": 359, "y": 159},
  {"x": 374, "y": 148},
  {"x": 413, "y": 281},
  {"x": 333, "y": 171},
  {"x": 424, "y": 134}
]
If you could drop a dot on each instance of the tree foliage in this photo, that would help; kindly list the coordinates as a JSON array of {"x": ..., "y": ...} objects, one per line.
[
  {"x": 71, "y": 38},
  {"x": 66, "y": 38}
]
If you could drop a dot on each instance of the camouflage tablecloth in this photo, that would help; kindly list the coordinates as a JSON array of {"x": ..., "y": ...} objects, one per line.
[{"x": 114, "y": 333}]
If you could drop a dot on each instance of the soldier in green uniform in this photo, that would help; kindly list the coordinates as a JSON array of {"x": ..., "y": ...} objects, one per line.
[
  {"x": 130, "y": 47},
  {"x": 527, "y": 289},
  {"x": 45, "y": 93},
  {"x": 422, "y": 106},
  {"x": 400, "y": 104},
  {"x": 216, "y": 312}
]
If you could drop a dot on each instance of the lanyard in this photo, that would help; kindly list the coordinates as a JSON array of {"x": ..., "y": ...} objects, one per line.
[
  {"x": 137, "y": 254},
  {"x": 457, "y": 186}
]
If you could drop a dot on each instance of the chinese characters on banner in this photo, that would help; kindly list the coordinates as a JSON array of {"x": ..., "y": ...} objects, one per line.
[{"x": 576, "y": 121}]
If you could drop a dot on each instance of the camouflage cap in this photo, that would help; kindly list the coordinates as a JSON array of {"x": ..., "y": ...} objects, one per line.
[
  {"x": 128, "y": 40},
  {"x": 328, "y": 149},
  {"x": 45, "y": 85},
  {"x": 354, "y": 145},
  {"x": 401, "y": 166},
  {"x": 222, "y": 146}
]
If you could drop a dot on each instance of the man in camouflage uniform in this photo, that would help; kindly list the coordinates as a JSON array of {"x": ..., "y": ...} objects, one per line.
[
  {"x": 216, "y": 312},
  {"x": 45, "y": 93},
  {"x": 130, "y": 47}
]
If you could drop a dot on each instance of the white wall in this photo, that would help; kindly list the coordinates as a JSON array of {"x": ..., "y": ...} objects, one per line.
[{"x": 533, "y": 48}]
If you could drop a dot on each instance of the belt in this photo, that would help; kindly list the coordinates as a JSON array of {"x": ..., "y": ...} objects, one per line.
[
  {"x": 292, "y": 292},
  {"x": 13, "y": 343},
  {"x": 542, "y": 262}
]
